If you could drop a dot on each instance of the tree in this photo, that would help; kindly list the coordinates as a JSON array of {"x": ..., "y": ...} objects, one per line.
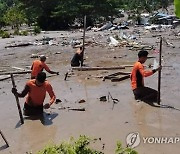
[
  {"x": 177, "y": 7},
  {"x": 14, "y": 17}
]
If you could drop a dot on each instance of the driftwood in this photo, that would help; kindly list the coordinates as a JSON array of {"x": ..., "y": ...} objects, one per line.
[
  {"x": 16, "y": 72},
  {"x": 96, "y": 68},
  {"x": 18, "y": 45},
  {"x": 120, "y": 79},
  {"x": 110, "y": 76},
  {"x": 115, "y": 100},
  {"x": 78, "y": 109}
]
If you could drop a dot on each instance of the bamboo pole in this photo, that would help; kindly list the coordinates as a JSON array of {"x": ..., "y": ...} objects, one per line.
[
  {"x": 17, "y": 101},
  {"x": 159, "y": 73},
  {"x": 84, "y": 33}
]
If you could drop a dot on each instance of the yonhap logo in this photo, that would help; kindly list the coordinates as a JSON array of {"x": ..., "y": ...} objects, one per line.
[{"x": 133, "y": 139}]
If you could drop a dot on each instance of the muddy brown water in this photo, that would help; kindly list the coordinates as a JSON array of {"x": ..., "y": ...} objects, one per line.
[{"x": 99, "y": 120}]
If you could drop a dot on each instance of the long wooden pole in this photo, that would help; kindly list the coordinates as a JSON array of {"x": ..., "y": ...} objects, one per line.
[
  {"x": 4, "y": 138},
  {"x": 159, "y": 73},
  {"x": 17, "y": 101},
  {"x": 97, "y": 68},
  {"x": 84, "y": 33}
]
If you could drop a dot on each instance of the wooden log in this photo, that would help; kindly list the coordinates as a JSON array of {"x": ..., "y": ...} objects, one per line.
[
  {"x": 16, "y": 72},
  {"x": 4, "y": 138},
  {"x": 17, "y": 101},
  {"x": 96, "y": 68},
  {"x": 120, "y": 79}
]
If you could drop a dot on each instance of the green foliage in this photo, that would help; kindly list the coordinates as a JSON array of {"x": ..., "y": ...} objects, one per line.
[
  {"x": 62, "y": 14},
  {"x": 4, "y": 34},
  {"x": 177, "y": 7},
  {"x": 79, "y": 146},
  {"x": 24, "y": 32},
  {"x": 14, "y": 16},
  {"x": 121, "y": 150}
]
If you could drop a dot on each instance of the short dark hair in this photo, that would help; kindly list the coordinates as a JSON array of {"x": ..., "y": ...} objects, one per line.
[
  {"x": 143, "y": 53},
  {"x": 41, "y": 77}
]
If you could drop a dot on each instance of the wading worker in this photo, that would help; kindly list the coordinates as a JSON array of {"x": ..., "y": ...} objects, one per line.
[
  {"x": 137, "y": 79},
  {"x": 35, "y": 90},
  {"x": 77, "y": 58},
  {"x": 39, "y": 65}
]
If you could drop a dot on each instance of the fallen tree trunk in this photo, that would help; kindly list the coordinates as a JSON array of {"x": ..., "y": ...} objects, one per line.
[{"x": 96, "y": 68}]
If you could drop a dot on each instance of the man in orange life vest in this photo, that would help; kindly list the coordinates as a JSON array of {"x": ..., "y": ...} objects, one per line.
[
  {"x": 137, "y": 79},
  {"x": 35, "y": 90},
  {"x": 39, "y": 65}
]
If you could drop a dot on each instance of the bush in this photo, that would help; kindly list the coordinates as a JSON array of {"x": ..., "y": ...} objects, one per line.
[
  {"x": 79, "y": 146},
  {"x": 4, "y": 34},
  {"x": 121, "y": 150},
  {"x": 37, "y": 30},
  {"x": 24, "y": 33}
]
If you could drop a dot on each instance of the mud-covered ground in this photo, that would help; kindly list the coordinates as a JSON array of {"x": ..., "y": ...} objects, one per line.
[{"x": 99, "y": 120}]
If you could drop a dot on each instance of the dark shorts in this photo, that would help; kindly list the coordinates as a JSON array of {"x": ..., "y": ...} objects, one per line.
[
  {"x": 30, "y": 110},
  {"x": 145, "y": 94}
]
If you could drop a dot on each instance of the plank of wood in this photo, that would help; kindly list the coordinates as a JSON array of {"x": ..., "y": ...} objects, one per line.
[{"x": 96, "y": 68}]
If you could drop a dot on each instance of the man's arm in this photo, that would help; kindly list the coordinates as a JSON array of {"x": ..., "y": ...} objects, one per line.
[
  {"x": 48, "y": 70},
  {"x": 147, "y": 73},
  {"x": 23, "y": 93},
  {"x": 52, "y": 96}
]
